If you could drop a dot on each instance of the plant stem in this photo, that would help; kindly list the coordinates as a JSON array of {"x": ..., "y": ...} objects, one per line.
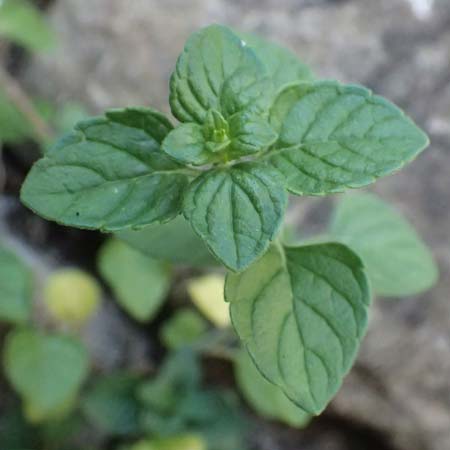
[{"x": 24, "y": 104}]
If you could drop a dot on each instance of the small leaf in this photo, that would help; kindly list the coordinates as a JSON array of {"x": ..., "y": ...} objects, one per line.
[
  {"x": 46, "y": 370},
  {"x": 281, "y": 64},
  {"x": 266, "y": 398},
  {"x": 183, "y": 329},
  {"x": 334, "y": 137},
  {"x": 302, "y": 314},
  {"x": 139, "y": 283},
  {"x": 22, "y": 23},
  {"x": 15, "y": 288},
  {"x": 111, "y": 404},
  {"x": 72, "y": 296},
  {"x": 109, "y": 174},
  {"x": 206, "y": 293},
  {"x": 187, "y": 144},
  {"x": 398, "y": 262},
  {"x": 174, "y": 242},
  {"x": 250, "y": 134},
  {"x": 216, "y": 71},
  {"x": 237, "y": 211}
]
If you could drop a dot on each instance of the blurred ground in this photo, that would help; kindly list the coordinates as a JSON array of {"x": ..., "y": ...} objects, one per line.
[{"x": 116, "y": 53}]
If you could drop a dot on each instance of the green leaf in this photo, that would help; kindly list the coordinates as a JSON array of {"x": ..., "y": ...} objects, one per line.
[
  {"x": 266, "y": 398},
  {"x": 334, "y": 137},
  {"x": 281, "y": 64},
  {"x": 398, "y": 262},
  {"x": 22, "y": 23},
  {"x": 109, "y": 174},
  {"x": 302, "y": 314},
  {"x": 187, "y": 144},
  {"x": 219, "y": 140},
  {"x": 139, "y": 283},
  {"x": 217, "y": 71},
  {"x": 237, "y": 211},
  {"x": 174, "y": 241},
  {"x": 46, "y": 370},
  {"x": 183, "y": 329},
  {"x": 15, "y": 288},
  {"x": 111, "y": 404},
  {"x": 249, "y": 134}
]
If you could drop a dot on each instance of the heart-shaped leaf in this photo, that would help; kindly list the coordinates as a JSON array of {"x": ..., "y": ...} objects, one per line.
[
  {"x": 397, "y": 260},
  {"x": 109, "y": 174},
  {"x": 301, "y": 313},
  {"x": 334, "y": 137},
  {"x": 237, "y": 211}
]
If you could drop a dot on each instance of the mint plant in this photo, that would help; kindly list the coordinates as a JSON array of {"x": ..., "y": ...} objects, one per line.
[{"x": 254, "y": 127}]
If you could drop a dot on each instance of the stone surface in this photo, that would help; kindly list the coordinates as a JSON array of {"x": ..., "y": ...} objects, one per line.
[{"x": 116, "y": 53}]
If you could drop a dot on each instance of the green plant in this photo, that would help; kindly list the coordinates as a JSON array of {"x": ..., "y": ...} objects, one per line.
[{"x": 255, "y": 126}]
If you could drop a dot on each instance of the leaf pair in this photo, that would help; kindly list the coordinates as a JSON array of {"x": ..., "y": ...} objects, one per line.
[{"x": 236, "y": 101}]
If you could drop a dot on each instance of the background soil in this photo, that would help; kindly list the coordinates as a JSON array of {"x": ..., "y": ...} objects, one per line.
[{"x": 117, "y": 53}]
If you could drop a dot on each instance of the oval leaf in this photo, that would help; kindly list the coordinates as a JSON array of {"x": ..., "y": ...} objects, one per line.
[
  {"x": 46, "y": 370},
  {"x": 15, "y": 288},
  {"x": 237, "y": 211},
  {"x": 215, "y": 71},
  {"x": 334, "y": 137},
  {"x": 140, "y": 283},
  {"x": 398, "y": 262},
  {"x": 109, "y": 174},
  {"x": 302, "y": 314}
]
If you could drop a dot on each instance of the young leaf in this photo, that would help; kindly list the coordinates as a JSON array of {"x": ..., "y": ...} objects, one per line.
[
  {"x": 281, "y": 64},
  {"x": 398, "y": 262},
  {"x": 111, "y": 404},
  {"x": 174, "y": 242},
  {"x": 46, "y": 370},
  {"x": 216, "y": 71},
  {"x": 22, "y": 23},
  {"x": 334, "y": 137},
  {"x": 109, "y": 174},
  {"x": 187, "y": 144},
  {"x": 301, "y": 313},
  {"x": 139, "y": 283},
  {"x": 206, "y": 293},
  {"x": 183, "y": 329},
  {"x": 266, "y": 398},
  {"x": 237, "y": 211},
  {"x": 243, "y": 134}
]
